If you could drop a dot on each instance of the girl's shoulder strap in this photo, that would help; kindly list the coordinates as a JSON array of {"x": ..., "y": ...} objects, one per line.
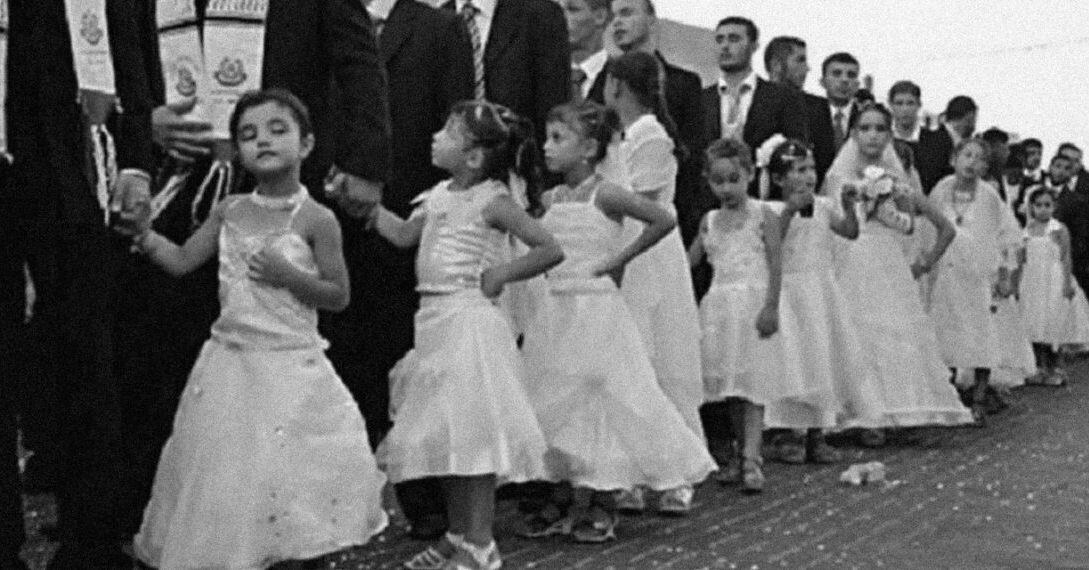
[{"x": 1054, "y": 225}]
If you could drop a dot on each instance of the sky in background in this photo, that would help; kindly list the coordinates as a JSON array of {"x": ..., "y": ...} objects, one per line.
[{"x": 1025, "y": 62}]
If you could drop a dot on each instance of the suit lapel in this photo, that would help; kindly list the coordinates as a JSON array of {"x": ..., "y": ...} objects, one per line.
[
  {"x": 505, "y": 28},
  {"x": 398, "y": 29},
  {"x": 756, "y": 114},
  {"x": 712, "y": 116}
]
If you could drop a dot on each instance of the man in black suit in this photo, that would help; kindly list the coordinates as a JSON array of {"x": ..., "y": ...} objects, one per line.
[
  {"x": 428, "y": 58},
  {"x": 830, "y": 117},
  {"x": 1072, "y": 208},
  {"x": 13, "y": 300},
  {"x": 310, "y": 48},
  {"x": 520, "y": 48},
  {"x": 741, "y": 103},
  {"x": 786, "y": 61},
  {"x": 936, "y": 147},
  {"x": 586, "y": 23},
  {"x": 634, "y": 25},
  {"x": 57, "y": 220}
]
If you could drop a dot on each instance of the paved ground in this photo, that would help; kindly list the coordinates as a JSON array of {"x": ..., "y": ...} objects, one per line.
[{"x": 1014, "y": 495}]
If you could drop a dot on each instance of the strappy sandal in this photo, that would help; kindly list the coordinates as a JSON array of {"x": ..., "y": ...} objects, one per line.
[{"x": 595, "y": 530}]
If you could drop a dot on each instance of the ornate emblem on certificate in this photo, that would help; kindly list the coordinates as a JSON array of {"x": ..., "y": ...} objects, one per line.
[
  {"x": 90, "y": 28},
  {"x": 231, "y": 72}
]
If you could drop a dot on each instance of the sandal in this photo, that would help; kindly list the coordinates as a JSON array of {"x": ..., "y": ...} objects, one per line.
[
  {"x": 436, "y": 556},
  {"x": 541, "y": 525},
  {"x": 595, "y": 530}
]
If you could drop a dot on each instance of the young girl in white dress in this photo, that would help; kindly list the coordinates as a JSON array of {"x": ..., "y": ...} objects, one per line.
[
  {"x": 740, "y": 312},
  {"x": 979, "y": 262},
  {"x": 1054, "y": 307},
  {"x": 607, "y": 423},
  {"x": 821, "y": 349},
  {"x": 269, "y": 459},
  {"x": 460, "y": 409},
  {"x": 898, "y": 337},
  {"x": 657, "y": 285}
]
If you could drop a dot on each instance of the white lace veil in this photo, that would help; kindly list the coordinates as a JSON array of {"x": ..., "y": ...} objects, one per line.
[{"x": 849, "y": 164}]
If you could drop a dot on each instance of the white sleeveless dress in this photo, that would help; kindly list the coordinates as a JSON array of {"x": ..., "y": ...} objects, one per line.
[
  {"x": 457, "y": 398},
  {"x": 607, "y": 423},
  {"x": 1050, "y": 318},
  {"x": 737, "y": 363},
  {"x": 269, "y": 458},
  {"x": 821, "y": 346},
  {"x": 897, "y": 335}
]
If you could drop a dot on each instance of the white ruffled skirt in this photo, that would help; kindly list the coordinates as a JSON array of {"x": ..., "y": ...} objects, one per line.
[
  {"x": 269, "y": 461},
  {"x": 607, "y": 423},
  {"x": 457, "y": 398}
]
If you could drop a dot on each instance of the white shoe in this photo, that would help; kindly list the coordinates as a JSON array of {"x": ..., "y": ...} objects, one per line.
[
  {"x": 631, "y": 501},
  {"x": 436, "y": 556},
  {"x": 472, "y": 557},
  {"x": 676, "y": 501}
]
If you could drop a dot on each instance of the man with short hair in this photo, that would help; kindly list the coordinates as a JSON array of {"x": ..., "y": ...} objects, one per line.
[
  {"x": 634, "y": 26},
  {"x": 998, "y": 153},
  {"x": 1072, "y": 207},
  {"x": 840, "y": 79},
  {"x": 1032, "y": 154},
  {"x": 741, "y": 104},
  {"x": 1079, "y": 179},
  {"x": 586, "y": 23},
  {"x": 936, "y": 147},
  {"x": 905, "y": 100},
  {"x": 786, "y": 61}
]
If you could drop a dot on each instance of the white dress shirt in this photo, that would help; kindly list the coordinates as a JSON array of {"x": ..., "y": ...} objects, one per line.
[
  {"x": 911, "y": 136},
  {"x": 379, "y": 10},
  {"x": 592, "y": 67},
  {"x": 747, "y": 89},
  {"x": 484, "y": 14},
  {"x": 845, "y": 123}
]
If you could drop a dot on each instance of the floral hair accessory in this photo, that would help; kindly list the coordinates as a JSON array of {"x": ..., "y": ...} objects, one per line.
[{"x": 763, "y": 154}]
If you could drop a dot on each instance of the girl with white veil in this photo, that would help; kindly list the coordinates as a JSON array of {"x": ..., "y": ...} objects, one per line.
[{"x": 896, "y": 332}]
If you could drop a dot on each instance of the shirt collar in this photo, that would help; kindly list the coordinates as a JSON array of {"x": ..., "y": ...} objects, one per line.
[
  {"x": 380, "y": 9},
  {"x": 593, "y": 65},
  {"x": 912, "y": 136},
  {"x": 750, "y": 81},
  {"x": 846, "y": 109},
  {"x": 953, "y": 134},
  {"x": 486, "y": 7}
]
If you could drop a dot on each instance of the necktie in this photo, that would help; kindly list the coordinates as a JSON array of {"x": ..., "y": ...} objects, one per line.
[
  {"x": 578, "y": 79},
  {"x": 735, "y": 103},
  {"x": 837, "y": 126},
  {"x": 379, "y": 25},
  {"x": 468, "y": 13}
]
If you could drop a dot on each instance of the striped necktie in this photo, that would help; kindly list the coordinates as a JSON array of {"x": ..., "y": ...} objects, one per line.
[{"x": 468, "y": 13}]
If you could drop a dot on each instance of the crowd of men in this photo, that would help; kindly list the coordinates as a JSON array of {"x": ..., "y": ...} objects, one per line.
[{"x": 97, "y": 344}]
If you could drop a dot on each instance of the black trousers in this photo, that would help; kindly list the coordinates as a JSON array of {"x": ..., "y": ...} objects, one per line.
[
  {"x": 11, "y": 309},
  {"x": 75, "y": 267}
]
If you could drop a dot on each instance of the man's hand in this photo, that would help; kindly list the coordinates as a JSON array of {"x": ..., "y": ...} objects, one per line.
[
  {"x": 184, "y": 139},
  {"x": 357, "y": 196},
  {"x": 132, "y": 200}
]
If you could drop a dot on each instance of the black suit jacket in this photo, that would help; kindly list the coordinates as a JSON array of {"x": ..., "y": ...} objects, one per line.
[
  {"x": 1072, "y": 209},
  {"x": 932, "y": 161},
  {"x": 429, "y": 62},
  {"x": 822, "y": 135},
  {"x": 324, "y": 51},
  {"x": 51, "y": 174},
  {"x": 774, "y": 109},
  {"x": 527, "y": 60}
]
